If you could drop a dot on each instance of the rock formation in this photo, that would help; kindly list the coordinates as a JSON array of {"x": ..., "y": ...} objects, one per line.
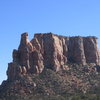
[{"x": 53, "y": 52}]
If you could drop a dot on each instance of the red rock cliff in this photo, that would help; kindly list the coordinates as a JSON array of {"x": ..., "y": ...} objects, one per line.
[{"x": 52, "y": 51}]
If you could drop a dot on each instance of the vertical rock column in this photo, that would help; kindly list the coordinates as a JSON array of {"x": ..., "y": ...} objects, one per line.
[
  {"x": 91, "y": 50},
  {"x": 59, "y": 58},
  {"x": 25, "y": 48},
  {"x": 39, "y": 38},
  {"x": 36, "y": 57},
  {"x": 48, "y": 50},
  {"x": 37, "y": 62},
  {"x": 76, "y": 50},
  {"x": 54, "y": 51}
]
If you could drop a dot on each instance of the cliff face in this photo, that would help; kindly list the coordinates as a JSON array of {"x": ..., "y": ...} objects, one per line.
[{"x": 53, "y": 52}]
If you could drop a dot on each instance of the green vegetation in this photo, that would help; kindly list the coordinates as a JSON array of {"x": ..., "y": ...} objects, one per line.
[{"x": 55, "y": 97}]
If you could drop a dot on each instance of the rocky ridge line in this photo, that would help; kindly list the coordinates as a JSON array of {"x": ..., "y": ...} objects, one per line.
[{"x": 52, "y": 51}]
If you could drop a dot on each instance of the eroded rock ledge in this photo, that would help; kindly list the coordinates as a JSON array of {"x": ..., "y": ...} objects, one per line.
[{"x": 52, "y": 51}]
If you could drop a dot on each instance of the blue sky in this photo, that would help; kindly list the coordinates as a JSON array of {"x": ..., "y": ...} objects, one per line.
[{"x": 65, "y": 17}]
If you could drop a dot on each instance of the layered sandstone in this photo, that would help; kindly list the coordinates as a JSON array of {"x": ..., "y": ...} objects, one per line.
[{"x": 52, "y": 51}]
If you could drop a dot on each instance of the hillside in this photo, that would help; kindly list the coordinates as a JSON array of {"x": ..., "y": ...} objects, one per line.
[{"x": 53, "y": 67}]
